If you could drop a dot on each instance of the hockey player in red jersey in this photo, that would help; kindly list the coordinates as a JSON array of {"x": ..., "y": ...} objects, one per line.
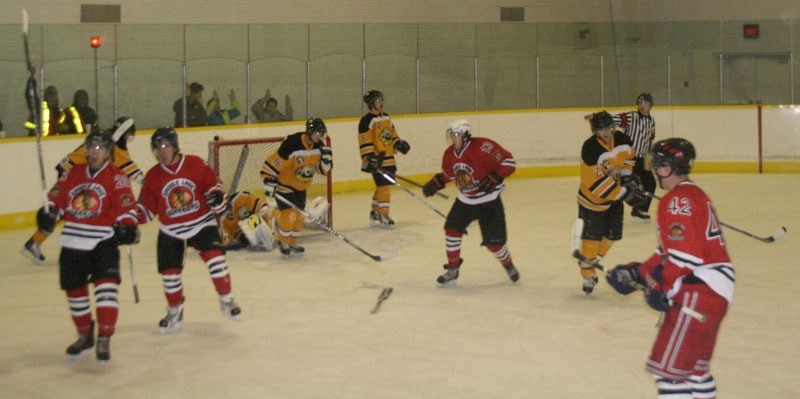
[
  {"x": 119, "y": 157},
  {"x": 97, "y": 205},
  {"x": 185, "y": 194},
  {"x": 478, "y": 166},
  {"x": 606, "y": 180},
  {"x": 690, "y": 267}
]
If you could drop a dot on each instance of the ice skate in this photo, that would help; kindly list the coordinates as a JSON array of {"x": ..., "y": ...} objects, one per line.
[
  {"x": 450, "y": 276},
  {"x": 172, "y": 321},
  {"x": 103, "y": 349},
  {"x": 588, "y": 284},
  {"x": 31, "y": 251},
  {"x": 291, "y": 251},
  {"x": 378, "y": 220},
  {"x": 82, "y": 344},
  {"x": 512, "y": 271},
  {"x": 638, "y": 216},
  {"x": 229, "y": 307}
]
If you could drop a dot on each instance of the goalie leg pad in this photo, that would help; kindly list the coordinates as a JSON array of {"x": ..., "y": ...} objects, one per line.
[{"x": 258, "y": 233}]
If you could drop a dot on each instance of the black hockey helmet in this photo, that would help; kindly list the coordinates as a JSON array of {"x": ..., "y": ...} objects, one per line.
[
  {"x": 601, "y": 120},
  {"x": 645, "y": 97},
  {"x": 99, "y": 139},
  {"x": 314, "y": 125},
  {"x": 677, "y": 153},
  {"x": 371, "y": 96},
  {"x": 127, "y": 133},
  {"x": 162, "y": 134}
]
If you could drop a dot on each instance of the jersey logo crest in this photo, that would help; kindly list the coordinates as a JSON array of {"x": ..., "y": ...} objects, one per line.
[
  {"x": 676, "y": 232},
  {"x": 179, "y": 196},
  {"x": 86, "y": 200}
]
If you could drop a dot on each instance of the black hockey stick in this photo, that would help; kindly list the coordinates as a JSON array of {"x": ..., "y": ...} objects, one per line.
[
  {"x": 409, "y": 181},
  {"x": 134, "y": 280},
  {"x": 341, "y": 236},
  {"x": 384, "y": 295},
  {"x": 633, "y": 284},
  {"x": 416, "y": 197},
  {"x": 34, "y": 106},
  {"x": 776, "y": 235}
]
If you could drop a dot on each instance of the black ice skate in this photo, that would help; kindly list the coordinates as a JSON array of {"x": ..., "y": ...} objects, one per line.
[
  {"x": 229, "y": 307},
  {"x": 173, "y": 320},
  {"x": 588, "y": 284},
  {"x": 82, "y": 344},
  {"x": 512, "y": 271},
  {"x": 378, "y": 220},
  {"x": 32, "y": 252},
  {"x": 103, "y": 349}
]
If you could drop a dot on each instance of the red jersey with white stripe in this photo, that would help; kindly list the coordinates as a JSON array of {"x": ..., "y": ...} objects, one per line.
[
  {"x": 691, "y": 241},
  {"x": 91, "y": 204},
  {"x": 479, "y": 157},
  {"x": 176, "y": 194}
]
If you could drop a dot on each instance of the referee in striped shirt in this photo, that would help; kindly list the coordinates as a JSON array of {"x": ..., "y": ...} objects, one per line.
[{"x": 640, "y": 126}]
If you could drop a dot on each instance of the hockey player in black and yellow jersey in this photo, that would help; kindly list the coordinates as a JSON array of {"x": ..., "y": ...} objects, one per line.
[
  {"x": 289, "y": 172},
  {"x": 378, "y": 143},
  {"x": 607, "y": 161}
]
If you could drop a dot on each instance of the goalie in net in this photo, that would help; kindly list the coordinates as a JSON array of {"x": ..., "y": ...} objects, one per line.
[{"x": 251, "y": 219}]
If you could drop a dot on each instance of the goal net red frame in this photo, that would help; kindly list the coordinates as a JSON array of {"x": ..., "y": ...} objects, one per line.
[{"x": 237, "y": 164}]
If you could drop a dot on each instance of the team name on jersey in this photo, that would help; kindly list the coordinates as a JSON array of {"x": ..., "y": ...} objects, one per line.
[
  {"x": 86, "y": 200},
  {"x": 179, "y": 197}
]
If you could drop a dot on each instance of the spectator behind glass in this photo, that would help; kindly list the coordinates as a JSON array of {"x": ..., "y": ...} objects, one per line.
[
  {"x": 81, "y": 118},
  {"x": 218, "y": 116},
  {"x": 195, "y": 111},
  {"x": 266, "y": 109}
]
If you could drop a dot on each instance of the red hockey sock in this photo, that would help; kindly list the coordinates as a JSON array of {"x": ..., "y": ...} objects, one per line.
[
  {"x": 105, "y": 293},
  {"x": 80, "y": 309}
]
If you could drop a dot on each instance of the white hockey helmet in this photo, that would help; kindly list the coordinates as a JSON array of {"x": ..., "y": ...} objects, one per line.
[{"x": 460, "y": 127}]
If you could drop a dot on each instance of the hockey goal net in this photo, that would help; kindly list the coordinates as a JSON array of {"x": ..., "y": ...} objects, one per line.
[{"x": 237, "y": 164}]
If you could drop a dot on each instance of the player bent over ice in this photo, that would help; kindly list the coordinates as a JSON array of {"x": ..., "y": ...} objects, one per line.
[
  {"x": 185, "y": 194},
  {"x": 97, "y": 205},
  {"x": 478, "y": 165},
  {"x": 288, "y": 172},
  {"x": 690, "y": 267}
]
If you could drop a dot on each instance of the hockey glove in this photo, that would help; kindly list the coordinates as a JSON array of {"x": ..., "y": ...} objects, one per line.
[
  {"x": 216, "y": 200},
  {"x": 625, "y": 278},
  {"x": 402, "y": 146},
  {"x": 126, "y": 234},
  {"x": 634, "y": 196},
  {"x": 433, "y": 185},
  {"x": 371, "y": 163},
  {"x": 489, "y": 183},
  {"x": 270, "y": 186},
  {"x": 326, "y": 158},
  {"x": 46, "y": 221},
  {"x": 657, "y": 299}
]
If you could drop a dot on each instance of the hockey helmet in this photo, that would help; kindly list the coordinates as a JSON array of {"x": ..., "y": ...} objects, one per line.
[
  {"x": 677, "y": 153},
  {"x": 601, "y": 120},
  {"x": 96, "y": 139},
  {"x": 316, "y": 125},
  {"x": 460, "y": 127},
  {"x": 164, "y": 134},
  {"x": 371, "y": 96},
  {"x": 645, "y": 97},
  {"x": 128, "y": 133}
]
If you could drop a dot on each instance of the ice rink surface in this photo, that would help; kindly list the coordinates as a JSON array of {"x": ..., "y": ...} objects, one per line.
[{"x": 307, "y": 331}]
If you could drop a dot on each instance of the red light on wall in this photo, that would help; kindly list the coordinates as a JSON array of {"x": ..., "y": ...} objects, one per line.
[
  {"x": 95, "y": 41},
  {"x": 750, "y": 31}
]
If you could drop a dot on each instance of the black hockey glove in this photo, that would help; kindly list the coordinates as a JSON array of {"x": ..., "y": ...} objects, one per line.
[
  {"x": 371, "y": 163},
  {"x": 402, "y": 146},
  {"x": 215, "y": 198},
  {"x": 490, "y": 182},
  {"x": 126, "y": 234},
  {"x": 270, "y": 186},
  {"x": 46, "y": 221},
  {"x": 625, "y": 278},
  {"x": 433, "y": 185},
  {"x": 326, "y": 157},
  {"x": 634, "y": 194}
]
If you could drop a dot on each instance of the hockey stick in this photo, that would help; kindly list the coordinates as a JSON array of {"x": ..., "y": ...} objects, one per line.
[
  {"x": 327, "y": 228},
  {"x": 34, "y": 107},
  {"x": 239, "y": 168},
  {"x": 382, "y": 297},
  {"x": 685, "y": 310},
  {"x": 412, "y": 182},
  {"x": 122, "y": 129},
  {"x": 776, "y": 235},
  {"x": 416, "y": 197},
  {"x": 133, "y": 275}
]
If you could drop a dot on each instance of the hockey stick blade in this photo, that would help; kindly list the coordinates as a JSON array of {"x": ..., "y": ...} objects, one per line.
[
  {"x": 384, "y": 295},
  {"x": 123, "y": 127}
]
